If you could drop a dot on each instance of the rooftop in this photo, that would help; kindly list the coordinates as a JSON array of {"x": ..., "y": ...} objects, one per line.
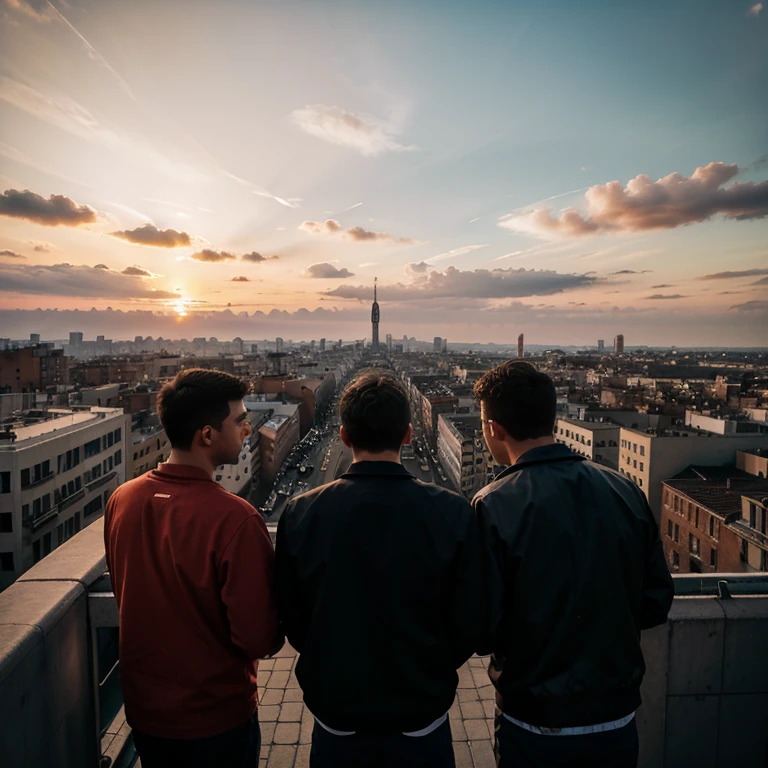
[
  {"x": 721, "y": 495},
  {"x": 595, "y": 426},
  {"x": 58, "y": 421}
]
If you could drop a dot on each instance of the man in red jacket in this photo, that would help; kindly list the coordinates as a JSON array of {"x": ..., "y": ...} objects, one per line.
[{"x": 192, "y": 569}]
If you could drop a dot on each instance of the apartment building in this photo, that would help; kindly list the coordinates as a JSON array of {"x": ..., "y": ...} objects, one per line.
[
  {"x": 649, "y": 458},
  {"x": 598, "y": 441},
  {"x": 462, "y": 452},
  {"x": 57, "y": 470},
  {"x": 278, "y": 433}
]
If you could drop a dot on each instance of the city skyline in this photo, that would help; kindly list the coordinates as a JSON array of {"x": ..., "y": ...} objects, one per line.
[{"x": 246, "y": 169}]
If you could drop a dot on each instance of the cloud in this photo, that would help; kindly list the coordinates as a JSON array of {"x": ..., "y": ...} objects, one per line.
[
  {"x": 149, "y": 234},
  {"x": 662, "y": 296},
  {"x": 356, "y": 234},
  {"x": 642, "y": 204},
  {"x": 11, "y": 255},
  {"x": 211, "y": 256},
  {"x": 56, "y": 210},
  {"x": 730, "y": 275},
  {"x": 39, "y": 10},
  {"x": 346, "y": 129},
  {"x": 369, "y": 264},
  {"x": 476, "y": 284},
  {"x": 455, "y": 252},
  {"x": 328, "y": 271},
  {"x": 631, "y": 272},
  {"x": 134, "y": 271},
  {"x": 762, "y": 281},
  {"x": 240, "y": 279},
  {"x": 41, "y": 247},
  {"x": 755, "y": 9},
  {"x": 663, "y": 285},
  {"x": 75, "y": 281},
  {"x": 417, "y": 268},
  {"x": 752, "y": 306},
  {"x": 255, "y": 257}
]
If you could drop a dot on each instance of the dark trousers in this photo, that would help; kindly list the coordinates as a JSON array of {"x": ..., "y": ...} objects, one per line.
[
  {"x": 516, "y": 747},
  {"x": 396, "y": 751},
  {"x": 238, "y": 748}
]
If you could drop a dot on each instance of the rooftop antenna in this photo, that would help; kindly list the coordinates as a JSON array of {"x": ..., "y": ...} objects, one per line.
[{"x": 374, "y": 287}]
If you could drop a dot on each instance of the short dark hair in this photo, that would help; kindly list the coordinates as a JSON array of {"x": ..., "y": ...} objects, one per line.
[
  {"x": 375, "y": 412},
  {"x": 520, "y": 398},
  {"x": 194, "y": 399}
]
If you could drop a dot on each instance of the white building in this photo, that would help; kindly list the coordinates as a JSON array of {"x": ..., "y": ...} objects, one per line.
[
  {"x": 56, "y": 475},
  {"x": 598, "y": 441},
  {"x": 462, "y": 452},
  {"x": 648, "y": 458}
]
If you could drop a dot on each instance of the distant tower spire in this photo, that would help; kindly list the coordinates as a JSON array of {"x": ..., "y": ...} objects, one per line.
[{"x": 375, "y": 319}]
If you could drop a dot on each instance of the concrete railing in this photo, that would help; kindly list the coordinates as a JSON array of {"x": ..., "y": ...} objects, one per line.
[{"x": 705, "y": 693}]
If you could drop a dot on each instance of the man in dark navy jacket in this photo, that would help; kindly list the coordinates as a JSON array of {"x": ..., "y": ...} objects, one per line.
[
  {"x": 379, "y": 582},
  {"x": 575, "y": 570}
]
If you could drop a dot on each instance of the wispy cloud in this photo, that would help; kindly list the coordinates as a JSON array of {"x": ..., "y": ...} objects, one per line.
[
  {"x": 210, "y": 255},
  {"x": 662, "y": 296},
  {"x": 643, "y": 204},
  {"x": 95, "y": 55},
  {"x": 456, "y": 252},
  {"x": 356, "y": 234},
  {"x": 54, "y": 211},
  {"x": 760, "y": 306},
  {"x": 11, "y": 255},
  {"x": 734, "y": 274},
  {"x": 240, "y": 279},
  {"x": 631, "y": 272},
  {"x": 346, "y": 129},
  {"x": 255, "y": 189},
  {"x": 256, "y": 257},
  {"x": 756, "y": 8}
]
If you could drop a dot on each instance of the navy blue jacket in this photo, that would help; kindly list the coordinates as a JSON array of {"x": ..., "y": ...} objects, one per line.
[{"x": 574, "y": 571}]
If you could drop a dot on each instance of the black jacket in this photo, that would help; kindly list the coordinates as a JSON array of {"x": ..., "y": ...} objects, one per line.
[
  {"x": 379, "y": 584},
  {"x": 575, "y": 570}
]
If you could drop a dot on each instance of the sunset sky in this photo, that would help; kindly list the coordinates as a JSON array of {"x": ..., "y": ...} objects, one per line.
[{"x": 570, "y": 170}]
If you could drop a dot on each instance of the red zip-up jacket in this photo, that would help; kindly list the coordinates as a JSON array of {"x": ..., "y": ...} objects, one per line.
[{"x": 192, "y": 567}]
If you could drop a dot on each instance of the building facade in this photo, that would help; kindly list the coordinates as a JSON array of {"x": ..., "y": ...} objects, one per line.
[
  {"x": 56, "y": 475},
  {"x": 597, "y": 441},
  {"x": 462, "y": 452}
]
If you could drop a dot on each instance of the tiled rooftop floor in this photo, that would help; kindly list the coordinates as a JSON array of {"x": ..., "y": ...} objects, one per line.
[{"x": 286, "y": 724}]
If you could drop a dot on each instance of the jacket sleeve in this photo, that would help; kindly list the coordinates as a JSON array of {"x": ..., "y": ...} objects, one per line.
[
  {"x": 288, "y": 600},
  {"x": 493, "y": 553},
  {"x": 246, "y": 573},
  {"x": 466, "y": 604},
  {"x": 658, "y": 587}
]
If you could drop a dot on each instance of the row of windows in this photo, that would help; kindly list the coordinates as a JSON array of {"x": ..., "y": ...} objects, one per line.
[
  {"x": 634, "y": 478},
  {"x": 35, "y": 474},
  {"x": 146, "y": 451},
  {"x": 633, "y": 462},
  {"x": 633, "y": 447},
  {"x": 692, "y": 512},
  {"x": 694, "y": 545}
]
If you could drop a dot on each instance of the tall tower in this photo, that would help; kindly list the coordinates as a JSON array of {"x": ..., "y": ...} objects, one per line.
[
  {"x": 521, "y": 345},
  {"x": 375, "y": 320},
  {"x": 618, "y": 344}
]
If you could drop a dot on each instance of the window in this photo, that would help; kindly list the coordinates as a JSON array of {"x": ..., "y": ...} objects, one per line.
[
  {"x": 697, "y": 517},
  {"x": 677, "y": 532},
  {"x": 25, "y": 478},
  {"x": 135, "y": 456},
  {"x": 634, "y": 463},
  {"x": 669, "y": 528},
  {"x": 77, "y": 522},
  {"x": 640, "y": 482},
  {"x": 59, "y": 535},
  {"x": 24, "y": 513},
  {"x": 47, "y": 544},
  {"x": 628, "y": 460},
  {"x": 713, "y": 557},
  {"x": 110, "y": 439},
  {"x": 6, "y": 561},
  {"x": 752, "y": 513},
  {"x": 36, "y": 551},
  {"x": 118, "y": 435},
  {"x": 676, "y": 559},
  {"x": 5, "y": 482},
  {"x": 693, "y": 544},
  {"x": 118, "y": 458},
  {"x": 712, "y": 526},
  {"x": 634, "y": 447},
  {"x": 6, "y": 522},
  {"x": 93, "y": 506},
  {"x": 91, "y": 448},
  {"x": 642, "y": 466},
  {"x": 675, "y": 503},
  {"x": 642, "y": 450}
]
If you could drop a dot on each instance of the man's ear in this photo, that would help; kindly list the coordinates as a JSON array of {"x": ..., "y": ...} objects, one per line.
[
  {"x": 206, "y": 435},
  {"x": 344, "y": 436},
  {"x": 408, "y": 436},
  {"x": 497, "y": 431}
]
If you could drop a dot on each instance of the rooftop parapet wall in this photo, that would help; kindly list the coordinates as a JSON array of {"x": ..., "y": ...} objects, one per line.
[{"x": 704, "y": 695}]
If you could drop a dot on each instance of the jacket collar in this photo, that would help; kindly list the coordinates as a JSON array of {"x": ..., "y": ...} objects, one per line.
[
  {"x": 358, "y": 468},
  {"x": 541, "y": 455},
  {"x": 181, "y": 472}
]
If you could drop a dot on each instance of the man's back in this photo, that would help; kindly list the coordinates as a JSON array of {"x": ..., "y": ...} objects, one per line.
[
  {"x": 380, "y": 590},
  {"x": 191, "y": 566},
  {"x": 576, "y": 572}
]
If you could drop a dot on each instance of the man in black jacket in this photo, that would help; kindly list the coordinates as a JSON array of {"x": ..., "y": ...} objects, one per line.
[
  {"x": 575, "y": 570},
  {"x": 380, "y": 590}
]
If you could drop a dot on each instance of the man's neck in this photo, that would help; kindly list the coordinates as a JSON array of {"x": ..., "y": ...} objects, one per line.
[
  {"x": 358, "y": 455},
  {"x": 516, "y": 449},
  {"x": 191, "y": 459}
]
